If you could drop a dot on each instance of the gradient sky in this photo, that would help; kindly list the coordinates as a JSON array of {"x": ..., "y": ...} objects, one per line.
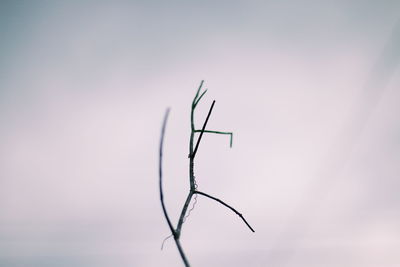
[{"x": 309, "y": 88}]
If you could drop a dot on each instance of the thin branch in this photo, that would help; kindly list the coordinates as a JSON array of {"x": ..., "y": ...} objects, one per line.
[
  {"x": 197, "y": 94},
  {"x": 194, "y": 103},
  {"x": 202, "y": 131},
  {"x": 173, "y": 232},
  {"x": 198, "y": 100},
  {"x": 180, "y": 249},
  {"x": 160, "y": 173},
  {"x": 176, "y": 233},
  {"x": 218, "y": 132},
  {"x": 165, "y": 239},
  {"x": 226, "y": 205},
  {"x": 183, "y": 213}
]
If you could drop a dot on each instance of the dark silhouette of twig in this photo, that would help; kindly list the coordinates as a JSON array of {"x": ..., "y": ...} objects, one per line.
[
  {"x": 226, "y": 205},
  {"x": 173, "y": 232},
  {"x": 176, "y": 233},
  {"x": 160, "y": 171},
  {"x": 202, "y": 130}
]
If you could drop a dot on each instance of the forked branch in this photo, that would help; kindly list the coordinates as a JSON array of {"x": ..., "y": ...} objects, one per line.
[
  {"x": 173, "y": 232},
  {"x": 176, "y": 233}
]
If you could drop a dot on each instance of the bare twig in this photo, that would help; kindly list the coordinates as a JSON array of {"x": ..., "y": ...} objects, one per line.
[
  {"x": 183, "y": 213},
  {"x": 198, "y": 99},
  {"x": 173, "y": 232},
  {"x": 176, "y": 233},
  {"x": 202, "y": 130},
  {"x": 226, "y": 205},
  {"x": 160, "y": 172}
]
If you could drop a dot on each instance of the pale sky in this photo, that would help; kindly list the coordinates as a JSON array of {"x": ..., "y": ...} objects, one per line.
[{"x": 309, "y": 88}]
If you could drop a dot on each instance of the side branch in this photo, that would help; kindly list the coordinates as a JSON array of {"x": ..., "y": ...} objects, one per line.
[
  {"x": 197, "y": 93},
  {"x": 226, "y": 205},
  {"x": 198, "y": 99},
  {"x": 218, "y": 132},
  {"x": 160, "y": 174},
  {"x": 202, "y": 131}
]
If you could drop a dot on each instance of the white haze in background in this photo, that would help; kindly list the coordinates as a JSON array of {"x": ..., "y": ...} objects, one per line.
[{"x": 310, "y": 90}]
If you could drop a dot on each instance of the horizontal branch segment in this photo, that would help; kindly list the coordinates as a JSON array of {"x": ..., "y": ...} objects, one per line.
[
  {"x": 217, "y": 132},
  {"x": 226, "y": 205}
]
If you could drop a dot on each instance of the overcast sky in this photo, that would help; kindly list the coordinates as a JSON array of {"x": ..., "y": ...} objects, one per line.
[{"x": 309, "y": 88}]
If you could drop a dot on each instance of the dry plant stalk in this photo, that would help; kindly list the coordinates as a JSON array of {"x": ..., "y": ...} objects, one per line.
[{"x": 176, "y": 232}]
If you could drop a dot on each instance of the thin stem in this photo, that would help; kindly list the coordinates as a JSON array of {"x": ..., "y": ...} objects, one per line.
[
  {"x": 176, "y": 233},
  {"x": 198, "y": 100},
  {"x": 181, "y": 252},
  {"x": 173, "y": 232},
  {"x": 160, "y": 173},
  {"x": 194, "y": 102},
  {"x": 202, "y": 131},
  {"x": 183, "y": 213},
  {"x": 226, "y": 205}
]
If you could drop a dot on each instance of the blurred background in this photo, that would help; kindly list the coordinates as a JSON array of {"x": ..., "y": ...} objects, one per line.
[{"x": 309, "y": 88}]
